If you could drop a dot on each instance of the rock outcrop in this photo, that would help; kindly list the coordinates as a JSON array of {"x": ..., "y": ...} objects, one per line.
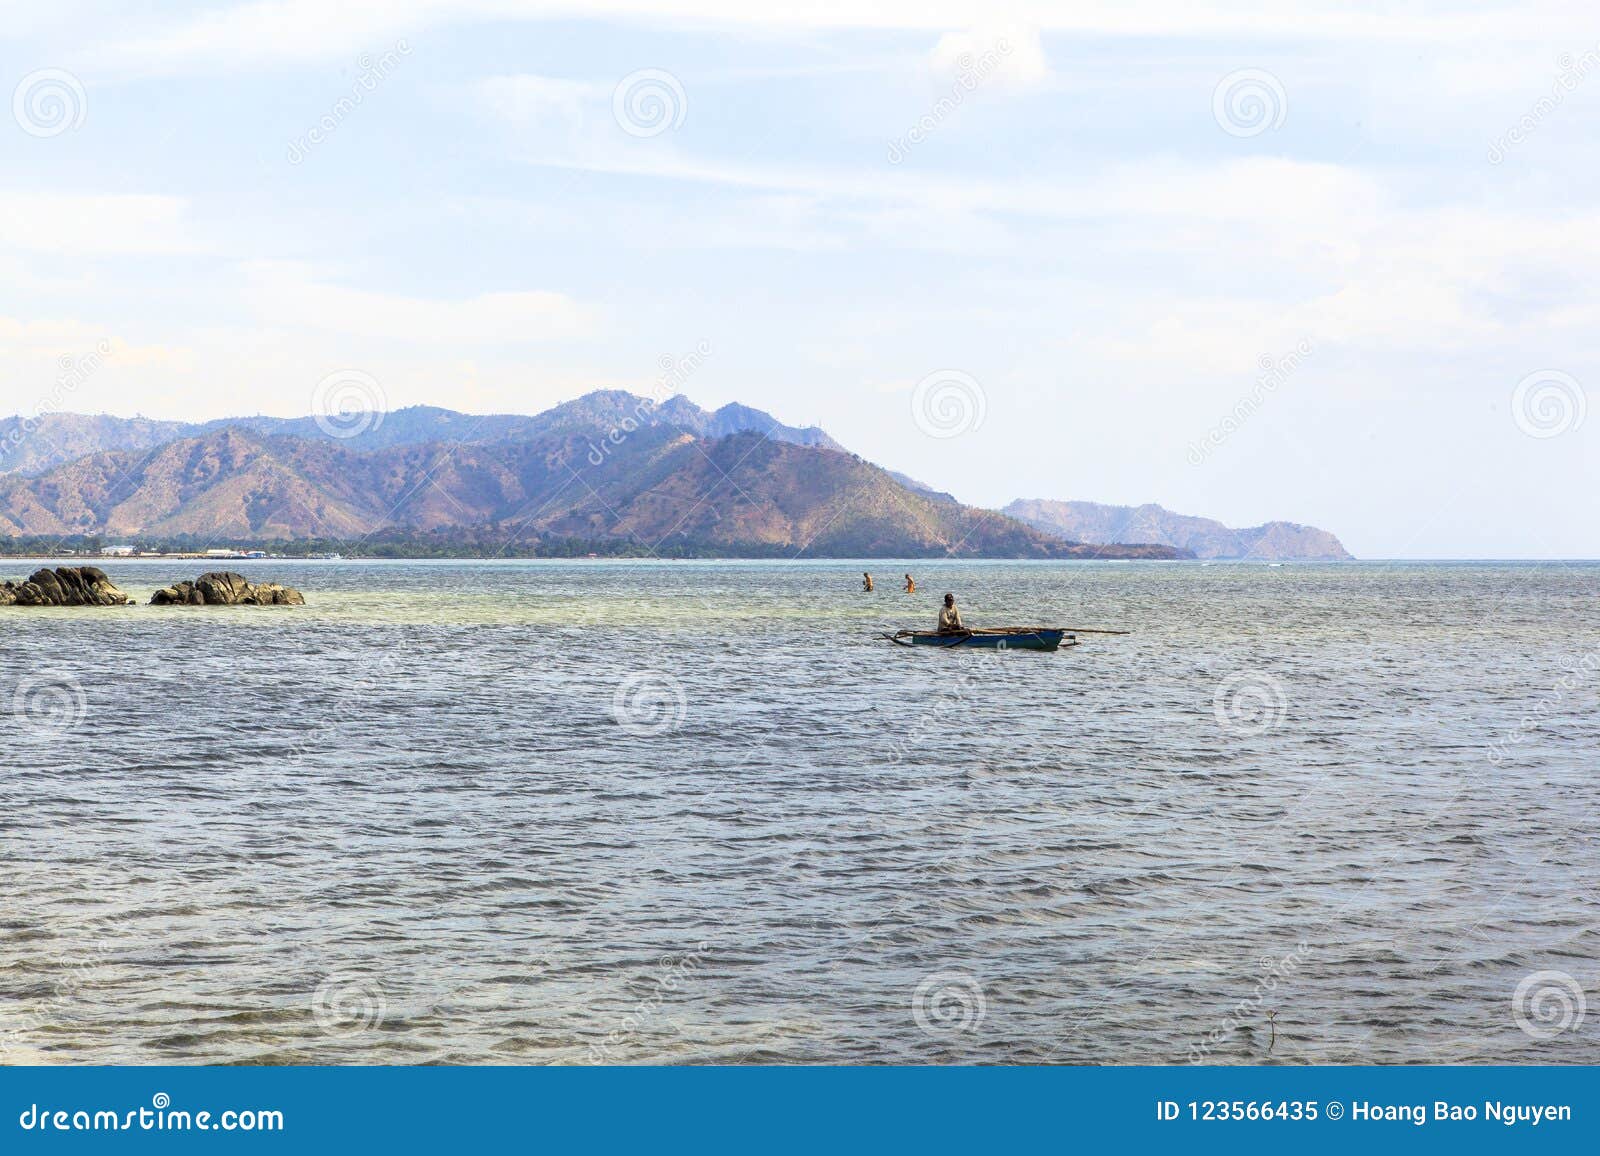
[
  {"x": 225, "y": 588},
  {"x": 65, "y": 586}
]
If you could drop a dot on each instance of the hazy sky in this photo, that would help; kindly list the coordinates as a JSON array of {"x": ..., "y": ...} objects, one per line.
[{"x": 1083, "y": 228}]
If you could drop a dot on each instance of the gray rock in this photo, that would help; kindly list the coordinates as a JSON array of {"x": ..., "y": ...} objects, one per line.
[
  {"x": 64, "y": 586},
  {"x": 225, "y": 588}
]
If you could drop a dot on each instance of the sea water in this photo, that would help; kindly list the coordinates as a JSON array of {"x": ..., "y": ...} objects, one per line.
[{"x": 621, "y": 812}]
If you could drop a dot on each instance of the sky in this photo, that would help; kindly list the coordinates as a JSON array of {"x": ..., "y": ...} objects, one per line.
[{"x": 1326, "y": 262}]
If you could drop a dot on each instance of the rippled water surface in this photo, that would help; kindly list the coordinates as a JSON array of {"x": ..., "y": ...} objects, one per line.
[{"x": 568, "y": 812}]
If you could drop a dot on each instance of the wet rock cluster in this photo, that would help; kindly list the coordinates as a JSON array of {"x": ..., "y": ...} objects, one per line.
[
  {"x": 225, "y": 588},
  {"x": 66, "y": 586},
  {"x": 89, "y": 586}
]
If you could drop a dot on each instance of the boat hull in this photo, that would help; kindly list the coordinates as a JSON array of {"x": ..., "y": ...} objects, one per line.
[{"x": 1041, "y": 639}]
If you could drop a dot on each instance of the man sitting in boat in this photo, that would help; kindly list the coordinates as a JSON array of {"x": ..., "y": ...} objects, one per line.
[
  {"x": 950, "y": 618},
  {"x": 866, "y": 582}
]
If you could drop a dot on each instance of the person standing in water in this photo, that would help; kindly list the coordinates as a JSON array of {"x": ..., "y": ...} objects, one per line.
[
  {"x": 866, "y": 582},
  {"x": 911, "y": 584},
  {"x": 950, "y": 618}
]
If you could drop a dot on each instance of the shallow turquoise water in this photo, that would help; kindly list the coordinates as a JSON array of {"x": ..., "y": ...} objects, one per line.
[{"x": 689, "y": 812}]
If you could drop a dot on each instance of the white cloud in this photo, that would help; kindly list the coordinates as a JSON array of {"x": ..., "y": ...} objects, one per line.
[
  {"x": 91, "y": 225},
  {"x": 265, "y": 34},
  {"x": 57, "y": 333},
  {"x": 1002, "y": 56},
  {"x": 56, "y": 363},
  {"x": 1347, "y": 260},
  {"x": 284, "y": 299},
  {"x": 274, "y": 33},
  {"x": 178, "y": 358},
  {"x": 542, "y": 101}
]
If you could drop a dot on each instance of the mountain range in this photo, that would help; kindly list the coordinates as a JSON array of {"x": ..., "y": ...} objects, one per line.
[
  {"x": 611, "y": 471},
  {"x": 607, "y": 473},
  {"x": 1201, "y": 537},
  {"x": 35, "y": 445}
]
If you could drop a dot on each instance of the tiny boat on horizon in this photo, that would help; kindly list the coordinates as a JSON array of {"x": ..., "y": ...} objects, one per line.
[{"x": 994, "y": 638}]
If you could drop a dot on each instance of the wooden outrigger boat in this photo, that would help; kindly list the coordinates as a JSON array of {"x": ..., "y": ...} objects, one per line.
[{"x": 996, "y": 638}]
